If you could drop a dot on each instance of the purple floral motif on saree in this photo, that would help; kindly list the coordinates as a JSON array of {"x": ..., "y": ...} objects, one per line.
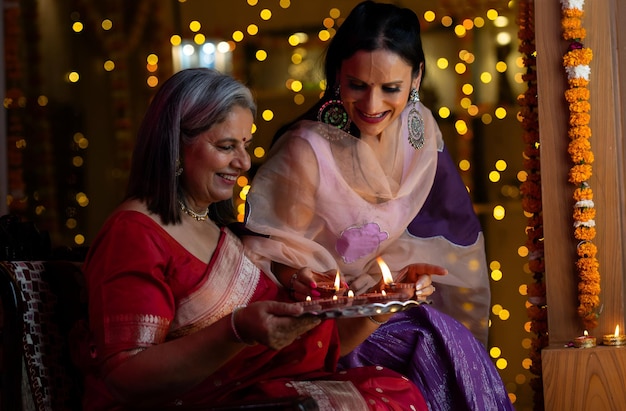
[{"x": 359, "y": 241}]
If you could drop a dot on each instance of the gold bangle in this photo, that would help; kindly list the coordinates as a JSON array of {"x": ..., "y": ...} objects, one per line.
[
  {"x": 234, "y": 328},
  {"x": 375, "y": 321}
]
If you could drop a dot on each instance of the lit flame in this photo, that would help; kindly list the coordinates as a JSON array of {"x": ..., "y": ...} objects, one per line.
[
  {"x": 308, "y": 298},
  {"x": 337, "y": 281},
  {"x": 616, "y": 330},
  {"x": 350, "y": 294},
  {"x": 585, "y": 333},
  {"x": 383, "y": 292},
  {"x": 334, "y": 298},
  {"x": 387, "y": 278}
]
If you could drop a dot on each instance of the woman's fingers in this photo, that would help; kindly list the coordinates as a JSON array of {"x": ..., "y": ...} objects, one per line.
[
  {"x": 423, "y": 293},
  {"x": 302, "y": 285},
  {"x": 279, "y": 324},
  {"x": 424, "y": 268}
]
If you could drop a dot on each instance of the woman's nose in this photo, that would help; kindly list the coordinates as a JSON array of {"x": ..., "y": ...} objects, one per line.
[
  {"x": 242, "y": 160},
  {"x": 371, "y": 101}
]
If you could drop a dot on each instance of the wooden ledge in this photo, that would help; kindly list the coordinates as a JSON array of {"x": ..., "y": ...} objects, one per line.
[{"x": 584, "y": 378}]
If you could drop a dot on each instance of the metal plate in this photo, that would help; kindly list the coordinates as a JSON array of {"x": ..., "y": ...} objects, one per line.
[{"x": 360, "y": 310}]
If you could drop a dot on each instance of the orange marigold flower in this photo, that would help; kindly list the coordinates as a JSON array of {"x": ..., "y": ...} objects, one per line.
[
  {"x": 590, "y": 265},
  {"x": 578, "y": 82},
  {"x": 587, "y": 157},
  {"x": 570, "y": 22},
  {"x": 578, "y": 57},
  {"x": 587, "y": 300},
  {"x": 580, "y": 107},
  {"x": 573, "y": 13},
  {"x": 590, "y": 288},
  {"x": 584, "y": 214},
  {"x": 575, "y": 34},
  {"x": 587, "y": 249},
  {"x": 576, "y": 94},
  {"x": 583, "y": 131},
  {"x": 577, "y": 145},
  {"x": 592, "y": 274},
  {"x": 580, "y": 151},
  {"x": 579, "y": 119},
  {"x": 585, "y": 233},
  {"x": 580, "y": 173},
  {"x": 583, "y": 193}
]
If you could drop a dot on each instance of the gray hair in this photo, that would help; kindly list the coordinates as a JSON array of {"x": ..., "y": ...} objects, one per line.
[{"x": 187, "y": 104}]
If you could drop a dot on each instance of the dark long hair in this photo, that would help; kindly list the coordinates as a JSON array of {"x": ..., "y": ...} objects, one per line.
[
  {"x": 369, "y": 26},
  {"x": 187, "y": 104}
]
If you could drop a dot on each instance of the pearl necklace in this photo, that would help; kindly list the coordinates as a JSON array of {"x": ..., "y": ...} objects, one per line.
[{"x": 197, "y": 216}]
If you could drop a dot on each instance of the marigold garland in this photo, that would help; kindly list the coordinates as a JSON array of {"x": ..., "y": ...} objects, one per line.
[
  {"x": 576, "y": 63},
  {"x": 531, "y": 198}
]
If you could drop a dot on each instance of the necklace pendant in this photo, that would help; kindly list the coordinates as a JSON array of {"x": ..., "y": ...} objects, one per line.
[{"x": 196, "y": 216}]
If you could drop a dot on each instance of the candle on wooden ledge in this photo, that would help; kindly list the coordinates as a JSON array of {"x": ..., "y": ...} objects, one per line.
[
  {"x": 615, "y": 339},
  {"x": 585, "y": 341},
  {"x": 406, "y": 290}
]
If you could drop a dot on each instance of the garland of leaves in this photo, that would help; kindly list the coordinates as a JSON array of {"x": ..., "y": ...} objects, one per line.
[
  {"x": 576, "y": 62},
  {"x": 531, "y": 199}
]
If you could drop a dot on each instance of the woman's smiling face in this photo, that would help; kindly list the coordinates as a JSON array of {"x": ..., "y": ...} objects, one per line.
[
  {"x": 375, "y": 87},
  {"x": 212, "y": 163}
]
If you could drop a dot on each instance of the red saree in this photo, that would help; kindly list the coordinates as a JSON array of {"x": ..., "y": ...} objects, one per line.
[{"x": 145, "y": 289}]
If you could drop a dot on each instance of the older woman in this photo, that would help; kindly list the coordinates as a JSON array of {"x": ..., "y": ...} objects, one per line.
[{"x": 179, "y": 315}]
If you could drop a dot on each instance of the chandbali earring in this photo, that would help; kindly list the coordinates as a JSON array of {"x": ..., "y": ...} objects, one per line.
[
  {"x": 416, "y": 122},
  {"x": 333, "y": 113},
  {"x": 179, "y": 168}
]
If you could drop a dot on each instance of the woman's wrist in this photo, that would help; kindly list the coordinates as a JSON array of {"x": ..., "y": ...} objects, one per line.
[
  {"x": 233, "y": 326},
  {"x": 379, "y": 319}
]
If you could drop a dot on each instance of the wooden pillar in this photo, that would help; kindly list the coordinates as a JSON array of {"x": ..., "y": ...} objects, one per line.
[{"x": 577, "y": 379}]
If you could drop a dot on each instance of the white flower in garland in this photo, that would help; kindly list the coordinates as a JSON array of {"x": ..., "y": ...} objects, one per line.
[
  {"x": 584, "y": 204},
  {"x": 588, "y": 223},
  {"x": 573, "y": 4},
  {"x": 580, "y": 71}
]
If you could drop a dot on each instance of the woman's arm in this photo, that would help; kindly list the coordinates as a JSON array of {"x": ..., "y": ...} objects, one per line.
[
  {"x": 353, "y": 331},
  {"x": 165, "y": 370}
]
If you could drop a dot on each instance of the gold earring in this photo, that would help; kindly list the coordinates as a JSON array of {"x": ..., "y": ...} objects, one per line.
[{"x": 179, "y": 168}]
